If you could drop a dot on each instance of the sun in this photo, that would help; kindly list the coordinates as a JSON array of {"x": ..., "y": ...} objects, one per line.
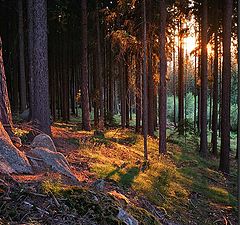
[{"x": 190, "y": 44}]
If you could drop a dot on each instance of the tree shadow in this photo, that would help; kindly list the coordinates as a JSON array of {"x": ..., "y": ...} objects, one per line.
[{"x": 127, "y": 178}]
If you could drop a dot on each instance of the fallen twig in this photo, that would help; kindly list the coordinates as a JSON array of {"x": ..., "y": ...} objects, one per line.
[{"x": 39, "y": 209}]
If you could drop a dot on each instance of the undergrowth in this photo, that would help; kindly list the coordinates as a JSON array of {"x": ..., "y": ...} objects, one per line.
[{"x": 180, "y": 183}]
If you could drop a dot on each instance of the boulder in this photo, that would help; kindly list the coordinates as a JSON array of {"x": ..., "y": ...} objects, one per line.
[
  {"x": 43, "y": 141},
  {"x": 43, "y": 158},
  {"x": 25, "y": 115},
  {"x": 11, "y": 159}
]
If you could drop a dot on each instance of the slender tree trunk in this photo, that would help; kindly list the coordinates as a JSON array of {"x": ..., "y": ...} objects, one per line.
[
  {"x": 174, "y": 87},
  {"x": 5, "y": 109},
  {"x": 215, "y": 97},
  {"x": 138, "y": 96},
  {"x": 150, "y": 93},
  {"x": 100, "y": 71},
  {"x": 23, "y": 94},
  {"x": 145, "y": 92},
  {"x": 195, "y": 91},
  {"x": 41, "y": 112},
  {"x": 204, "y": 81},
  {"x": 123, "y": 94},
  {"x": 226, "y": 87},
  {"x": 127, "y": 95},
  {"x": 163, "y": 71},
  {"x": 86, "y": 123},
  {"x": 181, "y": 84},
  {"x": 30, "y": 55}
]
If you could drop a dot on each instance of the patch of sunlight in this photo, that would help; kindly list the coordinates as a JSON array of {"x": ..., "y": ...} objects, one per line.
[
  {"x": 220, "y": 195},
  {"x": 103, "y": 170}
]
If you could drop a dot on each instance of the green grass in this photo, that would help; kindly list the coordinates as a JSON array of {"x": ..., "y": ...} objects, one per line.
[{"x": 170, "y": 182}]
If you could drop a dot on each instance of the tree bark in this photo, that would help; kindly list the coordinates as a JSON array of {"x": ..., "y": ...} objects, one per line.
[
  {"x": 181, "y": 83},
  {"x": 215, "y": 96},
  {"x": 163, "y": 71},
  {"x": 100, "y": 72},
  {"x": 204, "y": 81},
  {"x": 23, "y": 94},
  {"x": 238, "y": 131},
  {"x": 5, "y": 109},
  {"x": 41, "y": 111},
  {"x": 86, "y": 123},
  {"x": 145, "y": 92},
  {"x": 138, "y": 82},
  {"x": 224, "y": 165}
]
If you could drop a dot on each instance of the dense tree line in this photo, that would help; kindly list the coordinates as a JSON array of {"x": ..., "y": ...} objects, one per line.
[{"x": 104, "y": 58}]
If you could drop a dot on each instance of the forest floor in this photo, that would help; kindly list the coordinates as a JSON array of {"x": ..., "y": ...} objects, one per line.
[{"x": 179, "y": 188}]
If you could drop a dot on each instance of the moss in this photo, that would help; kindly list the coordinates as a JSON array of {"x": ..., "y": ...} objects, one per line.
[{"x": 101, "y": 207}]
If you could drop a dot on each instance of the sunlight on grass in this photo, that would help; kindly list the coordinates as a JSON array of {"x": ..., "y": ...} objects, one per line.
[{"x": 170, "y": 181}]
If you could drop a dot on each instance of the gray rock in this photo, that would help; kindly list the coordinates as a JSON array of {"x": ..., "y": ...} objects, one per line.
[
  {"x": 25, "y": 115},
  {"x": 11, "y": 159},
  {"x": 43, "y": 158},
  {"x": 43, "y": 141},
  {"x": 126, "y": 218}
]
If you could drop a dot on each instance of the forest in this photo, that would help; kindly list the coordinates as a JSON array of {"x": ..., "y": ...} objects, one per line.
[{"x": 119, "y": 112}]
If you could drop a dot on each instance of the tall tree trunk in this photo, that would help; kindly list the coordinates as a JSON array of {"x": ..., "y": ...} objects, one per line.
[
  {"x": 86, "y": 123},
  {"x": 123, "y": 94},
  {"x": 145, "y": 92},
  {"x": 5, "y": 109},
  {"x": 163, "y": 71},
  {"x": 23, "y": 94},
  {"x": 138, "y": 96},
  {"x": 150, "y": 92},
  {"x": 41, "y": 111},
  {"x": 215, "y": 97},
  {"x": 204, "y": 81},
  {"x": 127, "y": 95},
  {"x": 238, "y": 132},
  {"x": 30, "y": 55},
  {"x": 181, "y": 83},
  {"x": 226, "y": 87},
  {"x": 195, "y": 90},
  {"x": 174, "y": 86},
  {"x": 100, "y": 72},
  {"x": 150, "y": 71}
]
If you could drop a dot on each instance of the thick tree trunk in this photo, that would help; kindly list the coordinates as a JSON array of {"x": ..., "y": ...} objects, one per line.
[
  {"x": 41, "y": 110},
  {"x": 204, "y": 81},
  {"x": 5, "y": 109},
  {"x": 226, "y": 87},
  {"x": 238, "y": 131},
  {"x": 23, "y": 94},
  {"x": 86, "y": 123},
  {"x": 163, "y": 71}
]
